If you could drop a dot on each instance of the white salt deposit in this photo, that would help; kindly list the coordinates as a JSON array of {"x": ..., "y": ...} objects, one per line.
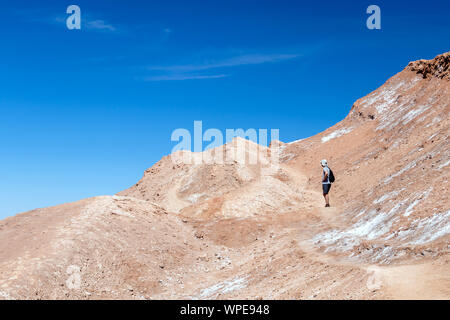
[
  {"x": 224, "y": 287},
  {"x": 336, "y": 134}
]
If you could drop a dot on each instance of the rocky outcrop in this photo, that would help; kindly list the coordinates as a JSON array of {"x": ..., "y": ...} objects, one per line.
[{"x": 437, "y": 67}]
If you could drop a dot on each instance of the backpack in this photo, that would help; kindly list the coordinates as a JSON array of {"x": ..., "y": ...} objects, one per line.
[{"x": 331, "y": 177}]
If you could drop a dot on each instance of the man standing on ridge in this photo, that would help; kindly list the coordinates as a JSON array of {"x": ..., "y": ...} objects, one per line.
[{"x": 326, "y": 181}]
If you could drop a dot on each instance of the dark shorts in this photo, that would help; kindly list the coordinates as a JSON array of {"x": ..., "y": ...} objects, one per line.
[{"x": 326, "y": 187}]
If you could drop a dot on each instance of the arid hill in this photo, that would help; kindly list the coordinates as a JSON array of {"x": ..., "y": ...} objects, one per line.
[{"x": 258, "y": 229}]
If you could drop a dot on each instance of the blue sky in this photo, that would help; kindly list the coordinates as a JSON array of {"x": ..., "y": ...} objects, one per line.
[{"x": 85, "y": 112}]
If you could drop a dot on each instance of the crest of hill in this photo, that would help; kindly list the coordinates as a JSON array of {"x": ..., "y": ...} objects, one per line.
[{"x": 185, "y": 179}]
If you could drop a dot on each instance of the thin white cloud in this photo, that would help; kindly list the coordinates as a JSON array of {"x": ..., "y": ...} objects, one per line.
[
  {"x": 190, "y": 71},
  {"x": 249, "y": 59},
  {"x": 99, "y": 25},
  {"x": 181, "y": 77}
]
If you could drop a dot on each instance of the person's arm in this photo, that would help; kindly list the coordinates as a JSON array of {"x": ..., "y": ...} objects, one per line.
[{"x": 325, "y": 176}]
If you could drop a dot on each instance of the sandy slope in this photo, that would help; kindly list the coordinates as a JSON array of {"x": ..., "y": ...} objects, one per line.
[{"x": 240, "y": 230}]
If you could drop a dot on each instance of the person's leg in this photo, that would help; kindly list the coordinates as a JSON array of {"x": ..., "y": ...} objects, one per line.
[
  {"x": 325, "y": 193},
  {"x": 326, "y": 190},
  {"x": 328, "y": 195}
]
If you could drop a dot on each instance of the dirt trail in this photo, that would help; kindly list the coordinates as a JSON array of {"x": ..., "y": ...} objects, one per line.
[
  {"x": 174, "y": 203},
  {"x": 415, "y": 281},
  {"x": 311, "y": 198}
]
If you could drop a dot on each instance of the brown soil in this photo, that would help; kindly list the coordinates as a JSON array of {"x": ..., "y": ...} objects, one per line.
[{"x": 251, "y": 231}]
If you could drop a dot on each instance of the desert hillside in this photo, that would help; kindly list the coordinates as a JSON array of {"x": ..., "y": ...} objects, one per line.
[{"x": 207, "y": 230}]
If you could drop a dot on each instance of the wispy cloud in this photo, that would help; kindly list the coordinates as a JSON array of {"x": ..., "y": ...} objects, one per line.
[
  {"x": 99, "y": 25},
  {"x": 249, "y": 59},
  {"x": 180, "y": 77},
  {"x": 190, "y": 71}
]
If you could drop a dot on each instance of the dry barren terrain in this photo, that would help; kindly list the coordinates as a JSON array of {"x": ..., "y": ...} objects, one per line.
[{"x": 245, "y": 230}]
